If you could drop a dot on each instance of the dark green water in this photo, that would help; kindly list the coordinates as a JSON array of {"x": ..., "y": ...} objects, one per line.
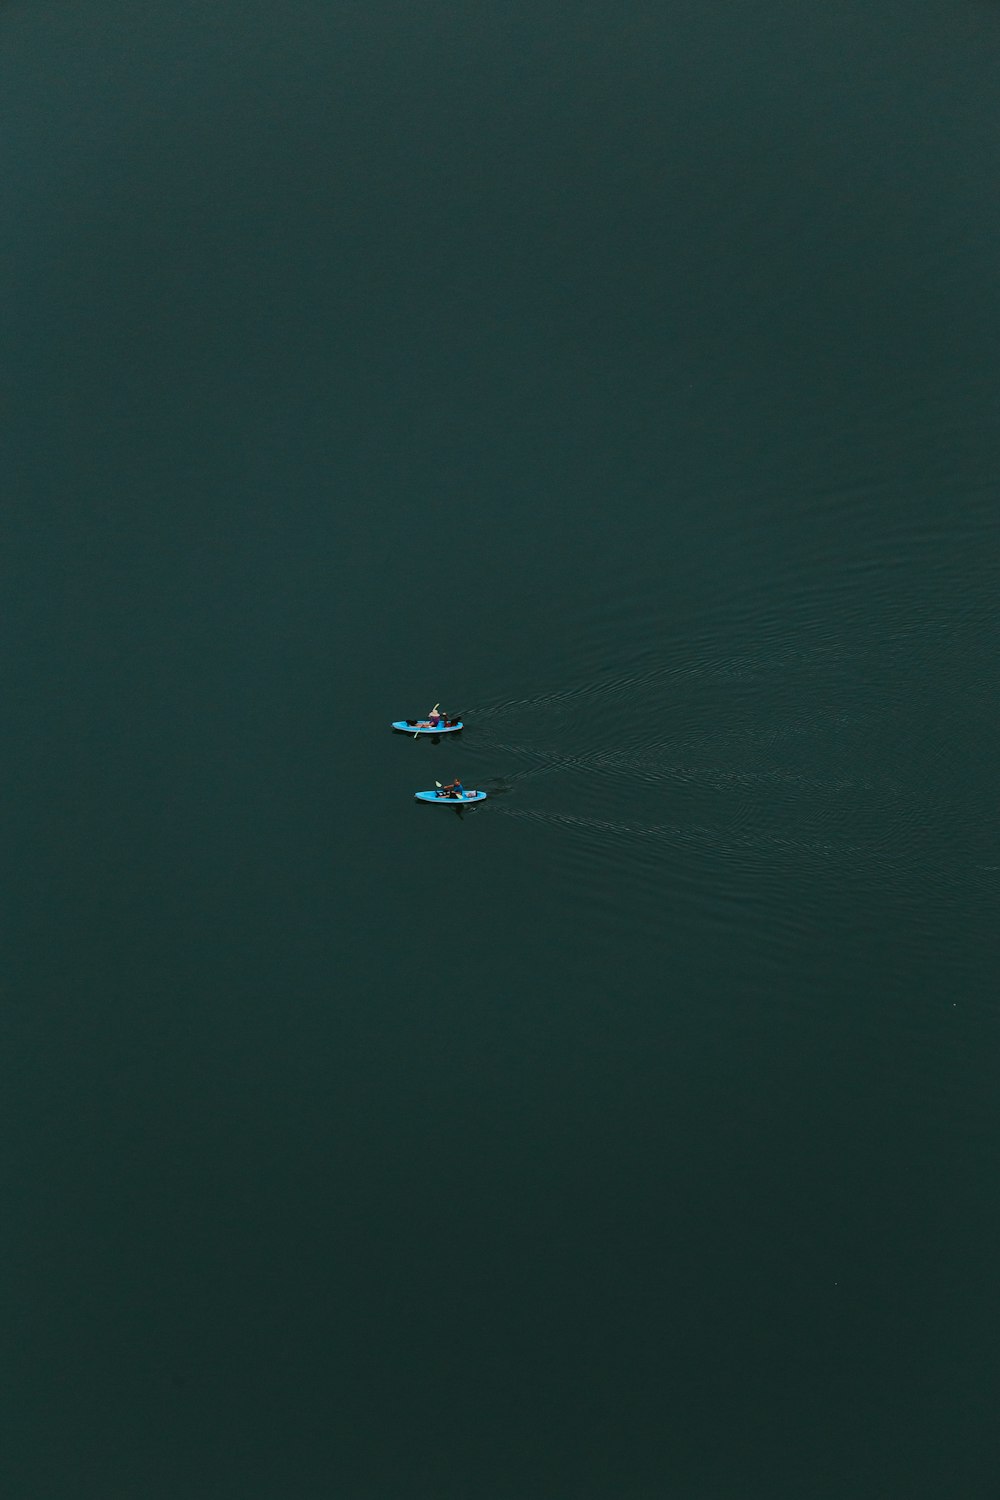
[{"x": 623, "y": 376}]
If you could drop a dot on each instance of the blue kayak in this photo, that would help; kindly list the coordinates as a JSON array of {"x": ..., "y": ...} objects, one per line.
[
  {"x": 421, "y": 726},
  {"x": 450, "y": 801}
]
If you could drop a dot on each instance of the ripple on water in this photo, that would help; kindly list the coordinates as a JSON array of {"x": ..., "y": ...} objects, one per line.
[{"x": 784, "y": 778}]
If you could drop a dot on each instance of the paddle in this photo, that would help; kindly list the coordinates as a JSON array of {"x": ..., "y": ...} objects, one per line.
[{"x": 433, "y": 711}]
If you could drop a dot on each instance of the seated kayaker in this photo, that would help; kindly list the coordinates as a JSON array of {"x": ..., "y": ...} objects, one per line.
[
  {"x": 435, "y": 717},
  {"x": 453, "y": 789}
]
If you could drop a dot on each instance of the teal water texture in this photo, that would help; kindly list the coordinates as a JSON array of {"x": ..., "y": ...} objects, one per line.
[{"x": 623, "y": 378}]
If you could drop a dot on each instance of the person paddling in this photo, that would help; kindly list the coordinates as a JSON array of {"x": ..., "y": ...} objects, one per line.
[{"x": 453, "y": 789}]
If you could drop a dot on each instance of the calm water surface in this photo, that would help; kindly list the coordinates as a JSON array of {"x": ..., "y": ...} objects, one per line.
[{"x": 624, "y": 379}]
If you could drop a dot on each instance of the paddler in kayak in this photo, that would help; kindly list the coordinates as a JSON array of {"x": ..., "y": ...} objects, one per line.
[
  {"x": 453, "y": 789},
  {"x": 434, "y": 720}
]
